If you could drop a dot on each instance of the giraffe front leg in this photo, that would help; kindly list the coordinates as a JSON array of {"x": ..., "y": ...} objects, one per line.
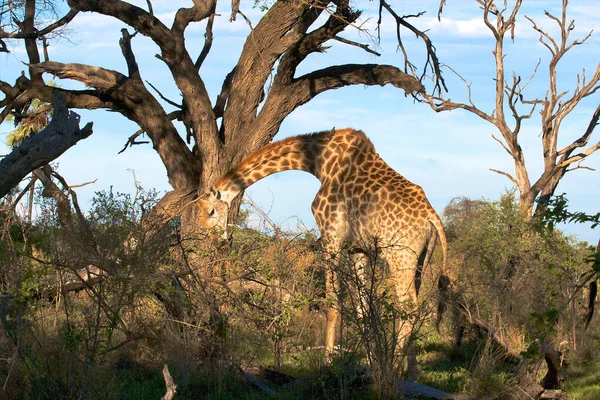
[
  {"x": 332, "y": 245},
  {"x": 333, "y": 312}
]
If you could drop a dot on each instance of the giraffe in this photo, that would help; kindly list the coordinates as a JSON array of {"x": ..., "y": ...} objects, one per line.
[{"x": 360, "y": 197}]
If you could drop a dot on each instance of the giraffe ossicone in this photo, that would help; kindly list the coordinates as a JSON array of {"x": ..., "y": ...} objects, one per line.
[{"x": 361, "y": 197}]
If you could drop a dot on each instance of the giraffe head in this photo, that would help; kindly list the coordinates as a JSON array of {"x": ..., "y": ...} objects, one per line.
[{"x": 214, "y": 215}]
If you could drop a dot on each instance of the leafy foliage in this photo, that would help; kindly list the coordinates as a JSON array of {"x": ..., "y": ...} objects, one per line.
[
  {"x": 557, "y": 212},
  {"x": 148, "y": 305}
]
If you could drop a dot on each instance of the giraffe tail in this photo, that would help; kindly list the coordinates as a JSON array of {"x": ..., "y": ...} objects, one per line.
[{"x": 444, "y": 280}]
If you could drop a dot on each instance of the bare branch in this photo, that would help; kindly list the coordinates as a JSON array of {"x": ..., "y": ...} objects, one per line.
[
  {"x": 431, "y": 61},
  {"x": 82, "y": 184},
  {"x": 554, "y": 49},
  {"x": 169, "y": 383},
  {"x": 263, "y": 215},
  {"x": 150, "y": 10},
  {"x": 579, "y": 166},
  {"x": 579, "y": 156},
  {"x": 235, "y": 8},
  {"x": 42, "y": 32},
  {"x": 208, "y": 41},
  {"x": 103, "y": 79},
  {"x": 440, "y": 9},
  {"x": 365, "y": 47},
  {"x": 487, "y": 7},
  {"x": 125, "y": 43},
  {"x": 136, "y": 17},
  {"x": 502, "y": 144},
  {"x": 199, "y": 11},
  {"x": 24, "y": 191},
  {"x": 509, "y": 176},
  {"x": 171, "y": 102},
  {"x": 439, "y": 104},
  {"x": 583, "y": 140},
  {"x": 83, "y": 222},
  {"x": 522, "y": 88},
  {"x": 131, "y": 141}
]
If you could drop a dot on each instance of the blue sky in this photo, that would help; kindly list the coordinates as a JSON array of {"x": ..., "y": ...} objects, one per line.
[{"x": 448, "y": 154}]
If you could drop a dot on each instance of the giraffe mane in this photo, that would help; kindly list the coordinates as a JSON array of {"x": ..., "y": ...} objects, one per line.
[{"x": 271, "y": 146}]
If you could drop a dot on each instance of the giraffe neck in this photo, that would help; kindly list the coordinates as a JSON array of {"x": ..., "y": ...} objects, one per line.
[{"x": 300, "y": 153}]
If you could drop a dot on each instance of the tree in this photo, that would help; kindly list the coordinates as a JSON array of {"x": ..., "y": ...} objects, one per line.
[
  {"x": 513, "y": 106},
  {"x": 256, "y": 96}
]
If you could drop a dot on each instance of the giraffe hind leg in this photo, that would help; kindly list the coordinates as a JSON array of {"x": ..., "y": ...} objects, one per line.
[{"x": 403, "y": 265}]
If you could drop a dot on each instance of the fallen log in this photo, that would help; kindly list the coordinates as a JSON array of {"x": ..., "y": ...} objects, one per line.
[
  {"x": 411, "y": 389},
  {"x": 258, "y": 383}
]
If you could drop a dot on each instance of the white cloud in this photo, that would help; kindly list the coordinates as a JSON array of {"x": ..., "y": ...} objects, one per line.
[
  {"x": 461, "y": 28},
  {"x": 469, "y": 28},
  {"x": 89, "y": 20}
]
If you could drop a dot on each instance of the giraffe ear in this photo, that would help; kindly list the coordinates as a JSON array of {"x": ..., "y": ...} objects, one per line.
[{"x": 215, "y": 192}]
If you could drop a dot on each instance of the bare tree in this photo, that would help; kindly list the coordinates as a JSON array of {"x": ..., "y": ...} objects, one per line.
[
  {"x": 513, "y": 107},
  {"x": 256, "y": 96}
]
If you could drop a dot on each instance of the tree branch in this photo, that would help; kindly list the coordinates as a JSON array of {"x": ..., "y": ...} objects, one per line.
[
  {"x": 125, "y": 44},
  {"x": 313, "y": 41},
  {"x": 208, "y": 41},
  {"x": 184, "y": 16},
  {"x": 431, "y": 61},
  {"x": 131, "y": 141},
  {"x": 583, "y": 140},
  {"x": 42, "y": 32},
  {"x": 132, "y": 99},
  {"x": 352, "y": 74},
  {"x": 579, "y": 156},
  {"x": 365, "y": 47},
  {"x": 509, "y": 176},
  {"x": 96, "y": 77},
  {"x": 287, "y": 98},
  {"x": 61, "y": 134},
  {"x": 171, "y": 102},
  {"x": 502, "y": 144}
]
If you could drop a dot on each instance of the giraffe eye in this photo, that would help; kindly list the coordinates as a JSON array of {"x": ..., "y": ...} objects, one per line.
[{"x": 211, "y": 212}]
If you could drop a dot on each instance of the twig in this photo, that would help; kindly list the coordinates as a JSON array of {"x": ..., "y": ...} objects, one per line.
[
  {"x": 509, "y": 176},
  {"x": 264, "y": 215},
  {"x": 365, "y": 47},
  {"x": 131, "y": 141},
  {"x": 431, "y": 61},
  {"x": 150, "y": 10},
  {"x": 82, "y": 184},
  {"x": 501, "y": 144},
  {"x": 171, "y": 102}
]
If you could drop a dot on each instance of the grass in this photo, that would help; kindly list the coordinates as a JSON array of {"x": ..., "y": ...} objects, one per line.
[
  {"x": 453, "y": 370},
  {"x": 472, "y": 369},
  {"x": 583, "y": 381}
]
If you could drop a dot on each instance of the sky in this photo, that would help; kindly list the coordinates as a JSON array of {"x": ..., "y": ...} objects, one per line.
[{"x": 449, "y": 154}]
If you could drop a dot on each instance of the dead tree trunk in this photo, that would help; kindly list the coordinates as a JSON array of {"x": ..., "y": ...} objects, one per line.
[{"x": 511, "y": 96}]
